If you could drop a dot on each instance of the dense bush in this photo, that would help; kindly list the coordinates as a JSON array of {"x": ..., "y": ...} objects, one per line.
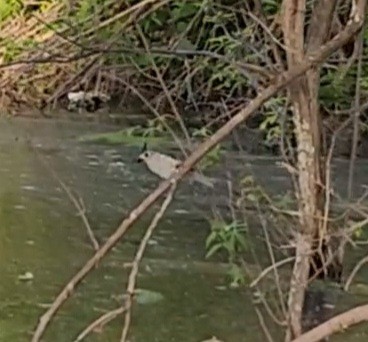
[{"x": 196, "y": 46}]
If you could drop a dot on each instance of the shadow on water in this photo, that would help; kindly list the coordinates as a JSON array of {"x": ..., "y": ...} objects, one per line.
[{"x": 41, "y": 233}]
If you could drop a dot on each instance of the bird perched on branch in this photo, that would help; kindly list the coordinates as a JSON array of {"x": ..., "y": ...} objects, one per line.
[{"x": 164, "y": 166}]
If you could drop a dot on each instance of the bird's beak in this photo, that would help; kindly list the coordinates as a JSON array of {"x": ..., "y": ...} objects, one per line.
[{"x": 139, "y": 160}]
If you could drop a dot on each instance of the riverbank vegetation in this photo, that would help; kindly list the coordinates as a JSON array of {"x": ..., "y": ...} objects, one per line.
[
  {"x": 299, "y": 67},
  {"x": 207, "y": 56}
]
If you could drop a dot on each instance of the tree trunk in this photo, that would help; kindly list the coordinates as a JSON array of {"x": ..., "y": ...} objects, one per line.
[
  {"x": 303, "y": 94},
  {"x": 309, "y": 192}
]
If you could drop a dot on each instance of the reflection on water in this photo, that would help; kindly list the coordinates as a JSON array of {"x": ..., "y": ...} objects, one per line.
[{"x": 41, "y": 233}]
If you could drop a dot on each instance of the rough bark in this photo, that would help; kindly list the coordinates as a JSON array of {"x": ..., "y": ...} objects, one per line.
[
  {"x": 303, "y": 93},
  {"x": 279, "y": 83}
]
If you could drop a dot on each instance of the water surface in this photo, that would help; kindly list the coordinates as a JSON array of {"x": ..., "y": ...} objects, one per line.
[{"x": 41, "y": 233}]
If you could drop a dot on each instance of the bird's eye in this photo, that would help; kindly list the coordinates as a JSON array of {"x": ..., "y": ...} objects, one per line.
[{"x": 146, "y": 155}]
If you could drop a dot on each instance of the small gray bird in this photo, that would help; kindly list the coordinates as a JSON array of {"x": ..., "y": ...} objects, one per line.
[{"x": 164, "y": 166}]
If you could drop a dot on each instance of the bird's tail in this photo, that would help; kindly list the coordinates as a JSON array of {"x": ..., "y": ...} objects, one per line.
[{"x": 197, "y": 177}]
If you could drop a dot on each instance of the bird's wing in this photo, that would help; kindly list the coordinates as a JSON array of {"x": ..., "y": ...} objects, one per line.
[{"x": 174, "y": 163}]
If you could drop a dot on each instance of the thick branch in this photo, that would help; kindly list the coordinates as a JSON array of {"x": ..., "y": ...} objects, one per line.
[
  {"x": 304, "y": 95},
  {"x": 293, "y": 28},
  {"x": 320, "y": 24},
  {"x": 280, "y": 82},
  {"x": 335, "y": 324}
]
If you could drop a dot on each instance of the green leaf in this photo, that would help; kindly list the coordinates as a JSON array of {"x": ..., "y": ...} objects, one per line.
[
  {"x": 214, "y": 249},
  {"x": 185, "y": 10},
  {"x": 211, "y": 238}
]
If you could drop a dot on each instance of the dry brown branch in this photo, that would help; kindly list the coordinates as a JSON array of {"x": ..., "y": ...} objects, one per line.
[
  {"x": 79, "y": 205},
  {"x": 134, "y": 271},
  {"x": 261, "y": 298},
  {"x": 173, "y": 45},
  {"x": 58, "y": 47},
  {"x": 274, "y": 265},
  {"x": 104, "y": 319},
  {"x": 63, "y": 87},
  {"x": 273, "y": 262},
  {"x": 303, "y": 102},
  {"x": 328, "y": 190},
  {"x": 356, "y": 120},
  {"x": 268, "y": 31},
  {"x": 164, "y": 87},
  {"x": 100, "y": 322},
  {"x": 307, "y": 119},
  {"x": 264, "y": 326},
  {"x": 243, "y": 68},
  {"x": 352, "y": 59},
  {"x": 356, "y": 269},
  {"x": 335, "y": 324},
  {"x": 279, "y": 83},
  {"x": 269, "y": 269},
  {"x": 320, "y": 24},
  {"x": 99, "y": 53}
]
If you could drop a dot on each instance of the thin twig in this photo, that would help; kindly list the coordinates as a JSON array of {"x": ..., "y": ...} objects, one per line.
[
  {"x": 164, "y": 87},
  {"x": 264, "y": 326},
  {"x": 78, "y": 204},
  {"x": 150, "y": 107},
  {"x": 355, "y": 140},
  {"x": 273, "y": 262},
  {"x": 269, "y": 269},
  {"x": 134, "y": 271},
  {"x": 269, "y": 33},
  {"x": 279, "y": 83},
  {"x": 100, "y": 322},
  {"x": 243, "y": 68},
  {"x": 104, "y": 319},
  {"x": 354, "y": 272}
]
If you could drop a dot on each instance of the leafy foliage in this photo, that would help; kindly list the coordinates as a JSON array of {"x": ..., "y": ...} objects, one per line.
[
  {"x": 231, "y": 239},
  {"x": 215, "y": 27},
  {"x": 9, "y": 8}
]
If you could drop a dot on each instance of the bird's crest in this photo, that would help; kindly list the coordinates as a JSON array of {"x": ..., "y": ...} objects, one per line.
[{"x": 144, "y": 147}]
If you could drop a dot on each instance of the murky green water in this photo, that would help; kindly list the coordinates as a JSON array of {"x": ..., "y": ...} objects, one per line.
[{"x": 41, "y": 233}]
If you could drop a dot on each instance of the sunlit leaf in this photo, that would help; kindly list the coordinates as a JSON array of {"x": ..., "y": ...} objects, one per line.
[{"x": 213, "y": 250}]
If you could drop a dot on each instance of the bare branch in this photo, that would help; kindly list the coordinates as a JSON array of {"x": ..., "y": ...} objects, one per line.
[
  {"x": 356, "y": 120},
  {"x": 164, "y": 87},
  {"x": 357, "y": 267},
  {"x": 100, "y": 322},
  {"x": 320, "y": 23},
  {"x": 78, "y": 203},
  {"x": 138, "y": 258},
  {"x": 279, "y": 83},
  {"x": 335, "y": 324}
]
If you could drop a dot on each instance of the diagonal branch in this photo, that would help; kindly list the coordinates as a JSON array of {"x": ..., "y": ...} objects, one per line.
[
  {"x": 320, "y": 24},
  {"x": 335, "y": 324},
  {"x": 134, "y": 271},
  {"x": 293, "y": 29},
  {"x": 353, "y": 26}
]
